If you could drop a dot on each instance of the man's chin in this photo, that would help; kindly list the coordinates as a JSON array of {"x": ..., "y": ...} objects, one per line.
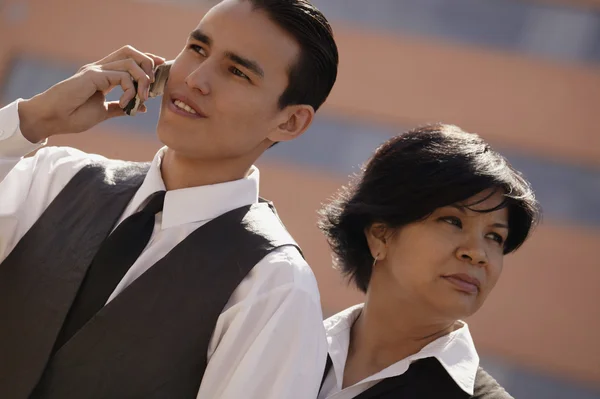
[
  {"x": 169, "y": 137},
  {"x": 161, "y": 135},
  {"x": 175, "y": 141}
]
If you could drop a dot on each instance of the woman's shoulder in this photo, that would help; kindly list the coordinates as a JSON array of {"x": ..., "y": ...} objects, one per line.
[{"x": 486, "y": 387}]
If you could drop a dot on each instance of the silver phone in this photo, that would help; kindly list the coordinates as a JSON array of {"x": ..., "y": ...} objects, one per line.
[{"x": 161, "y": 74}]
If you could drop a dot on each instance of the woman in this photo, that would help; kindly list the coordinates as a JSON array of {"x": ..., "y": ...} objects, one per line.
[{"x": 422, "y": 232}]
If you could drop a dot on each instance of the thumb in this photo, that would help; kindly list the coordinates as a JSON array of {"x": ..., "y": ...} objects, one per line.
[{"x": 113, "y": 109}]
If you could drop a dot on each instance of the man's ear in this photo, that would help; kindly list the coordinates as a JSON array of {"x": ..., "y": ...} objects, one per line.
[{"x": 295, "y": 119}]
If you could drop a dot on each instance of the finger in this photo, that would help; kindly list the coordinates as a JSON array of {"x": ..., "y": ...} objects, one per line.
[
  {"x": 114, "y": 56},
  {"x": 144, "y": 61},
  {"x": 158, "y": 60},
  {"x": 106, "y": 80},
  {"x": 143, "y": 108},
  {"x": 137, "y": 73}
]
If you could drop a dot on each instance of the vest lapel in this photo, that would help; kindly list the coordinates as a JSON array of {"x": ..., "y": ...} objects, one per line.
[
  {"x": 39, "y": 281},
  {"x": 387, "y": 386},
  {"x": 426, "y": 378}
]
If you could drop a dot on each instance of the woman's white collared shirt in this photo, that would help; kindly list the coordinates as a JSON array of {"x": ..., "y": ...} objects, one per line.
[{"x": 455, "y": 351}]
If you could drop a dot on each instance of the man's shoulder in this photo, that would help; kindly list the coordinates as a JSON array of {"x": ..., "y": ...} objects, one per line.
[
  {"x": 54, "y": 167},
  {"x": 486, "y": 387},
  {"x": 65, "y": 154},
  {"x": 286, "y": 267},
  {"x": 56, "y": 158},
  {"x": 59, "y": 152},
  {"x": 69, "y": 161},
  {"x": 281, "y": 274}
]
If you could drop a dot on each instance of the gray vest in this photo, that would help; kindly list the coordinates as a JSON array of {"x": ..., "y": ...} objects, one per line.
[
  {"x": 427, "y": 379},
  {"x": 151, "y": 341}
]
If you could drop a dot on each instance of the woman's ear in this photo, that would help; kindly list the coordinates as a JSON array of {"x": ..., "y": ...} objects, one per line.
[{"x": 377, "y": 238}]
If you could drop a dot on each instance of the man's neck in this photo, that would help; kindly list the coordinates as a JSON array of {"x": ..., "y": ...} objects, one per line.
[{"x": 179, "y": 171}]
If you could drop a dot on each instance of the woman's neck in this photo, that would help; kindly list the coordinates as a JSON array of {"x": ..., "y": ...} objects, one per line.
[
  {"x": 382, "y": 335},
  {"x": 389, "y": 336}
]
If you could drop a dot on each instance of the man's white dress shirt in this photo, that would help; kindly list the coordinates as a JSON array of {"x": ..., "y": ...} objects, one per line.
[
  {"x": 269, "y": 340},
  {"x": 455, "y": 351}
]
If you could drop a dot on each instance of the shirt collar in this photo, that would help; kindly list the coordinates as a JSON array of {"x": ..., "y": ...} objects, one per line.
[
  {"x": 455, "y": 351},
  {"x": 197, "y": 204}
]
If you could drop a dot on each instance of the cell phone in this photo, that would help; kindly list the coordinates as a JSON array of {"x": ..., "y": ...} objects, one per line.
[{"x": 161, "y": 74}]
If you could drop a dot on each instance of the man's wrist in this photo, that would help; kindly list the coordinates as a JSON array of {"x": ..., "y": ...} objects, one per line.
[{"x": 34, "y": 120}]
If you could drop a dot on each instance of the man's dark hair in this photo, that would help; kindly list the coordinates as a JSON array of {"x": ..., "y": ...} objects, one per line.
[
  {"x": 315, "y": 72},
  {"x": 412, "y": 175}
]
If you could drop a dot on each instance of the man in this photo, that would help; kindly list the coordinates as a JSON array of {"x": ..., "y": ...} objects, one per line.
[{"x": 169, "y": 280}]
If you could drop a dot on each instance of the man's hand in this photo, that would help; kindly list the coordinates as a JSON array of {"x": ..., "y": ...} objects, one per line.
[{"x": 79, "y": 103}]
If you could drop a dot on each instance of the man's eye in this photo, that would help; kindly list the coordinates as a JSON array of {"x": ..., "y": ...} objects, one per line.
[
  {"x": 199, "y": 49},
  {"x": 239, "y": 73}
]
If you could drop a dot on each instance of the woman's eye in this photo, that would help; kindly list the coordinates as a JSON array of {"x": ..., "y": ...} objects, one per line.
[
  {"x": 453, "y": 220},
  {"x": 496, "y": 237}
]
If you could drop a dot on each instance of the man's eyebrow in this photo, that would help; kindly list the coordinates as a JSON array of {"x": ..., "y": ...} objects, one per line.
[
  {"x": 246, "y": 63},
  {"x": 201, "y": 37},
  {"x": 238, "y": 59}
]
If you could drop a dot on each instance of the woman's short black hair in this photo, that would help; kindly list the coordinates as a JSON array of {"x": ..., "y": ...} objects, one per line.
[{"x": 410, "y": 176}]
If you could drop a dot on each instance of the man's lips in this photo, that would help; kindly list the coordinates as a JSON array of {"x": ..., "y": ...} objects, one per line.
[{"x": 179, "y": 98}]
